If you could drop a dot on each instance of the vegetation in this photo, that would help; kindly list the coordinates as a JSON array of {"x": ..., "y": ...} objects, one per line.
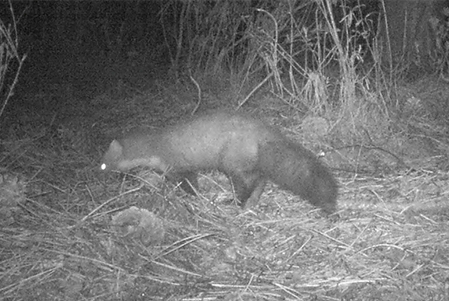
[
  {"x": 9, "y": 54},
  {"x": 323, "y": 71}
]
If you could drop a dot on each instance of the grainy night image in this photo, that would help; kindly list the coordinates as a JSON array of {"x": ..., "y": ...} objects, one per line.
[{"x": 224, "y": 150}]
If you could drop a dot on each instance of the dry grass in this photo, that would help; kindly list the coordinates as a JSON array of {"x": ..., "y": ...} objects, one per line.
[
  {"x": 71, "y": 233},
  {"x": 390, "y": 243},
  {"x": 60, "y": 237}
]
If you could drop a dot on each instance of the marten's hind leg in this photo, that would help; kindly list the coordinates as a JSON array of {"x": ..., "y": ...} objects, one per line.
[{"x": 248, "y": 188}]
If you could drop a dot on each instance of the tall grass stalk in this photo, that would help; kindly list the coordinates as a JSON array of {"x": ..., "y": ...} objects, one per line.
[{"x": 9, "y": 54}]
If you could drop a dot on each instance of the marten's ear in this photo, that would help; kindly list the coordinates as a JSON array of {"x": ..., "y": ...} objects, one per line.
[{"x": 115, "y": 149}]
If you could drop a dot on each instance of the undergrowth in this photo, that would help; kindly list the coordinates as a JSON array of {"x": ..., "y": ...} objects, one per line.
[{"x": 70, "y": 232}]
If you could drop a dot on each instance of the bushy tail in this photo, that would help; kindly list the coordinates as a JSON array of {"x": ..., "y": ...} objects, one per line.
[{"x": 295, "y": 168}]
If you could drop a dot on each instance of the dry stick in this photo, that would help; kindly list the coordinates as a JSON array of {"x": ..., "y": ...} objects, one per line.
[
  {"x": 254, "y": 90},
  {"x": 387, "y": 35},
  {"x": 11, "y": 89},
  {"x": 102, "y": 263},
  {"x": 109, "y": 201},
  {"x": 273, "y": 59},
  {"x": 13, "y": 48},
  {"x": 199, "y": 94},
  {"x": 182, "y": 243},
  {"x": 379, "y": 148},
  {"x": 6, "y": 290}
]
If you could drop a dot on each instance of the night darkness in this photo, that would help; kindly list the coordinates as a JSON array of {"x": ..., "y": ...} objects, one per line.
[{"x": 224, "y": 150}]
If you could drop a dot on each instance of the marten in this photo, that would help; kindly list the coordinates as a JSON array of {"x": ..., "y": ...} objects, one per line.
[{"x": 244, "y": 148}]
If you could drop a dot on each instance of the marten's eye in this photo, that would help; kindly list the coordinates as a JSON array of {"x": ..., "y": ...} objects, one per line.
[{"x": 103, "y": 166}]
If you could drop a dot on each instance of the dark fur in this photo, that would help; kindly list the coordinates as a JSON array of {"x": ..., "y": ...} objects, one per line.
[{"x": 247, "y": 150}]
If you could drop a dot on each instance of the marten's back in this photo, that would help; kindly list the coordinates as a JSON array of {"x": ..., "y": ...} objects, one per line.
[{"x": 221, "y": 140}]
